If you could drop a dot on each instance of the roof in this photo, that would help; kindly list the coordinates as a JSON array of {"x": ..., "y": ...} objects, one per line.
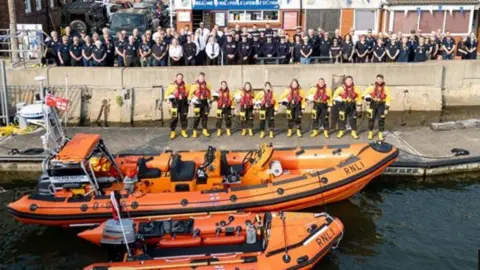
[
  {"x": 432, "y": 2},
  {"x": 79, "y": 147}
]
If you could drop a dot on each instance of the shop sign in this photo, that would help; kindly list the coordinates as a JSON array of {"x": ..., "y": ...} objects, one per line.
[{"x": 235, "y": 4}]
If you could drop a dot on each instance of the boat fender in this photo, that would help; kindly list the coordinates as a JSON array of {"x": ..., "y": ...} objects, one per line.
[
  {"x": 276, "y": 168},
  {"x": 302, "y": 259},
  {"x": 300, "y": 152}
]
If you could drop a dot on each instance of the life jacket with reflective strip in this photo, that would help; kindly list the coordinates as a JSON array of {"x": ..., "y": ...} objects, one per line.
[
  {"x": 349, "y": 92},
  {"x": 321, "y": 94},
  {"x": 202, "y": 92},
  {"x": 224, "y": 100},
  {"x": 267, "y": 100},
  {"x": 378, "y": 92},
  {"x": 247, "y": 99},
  {"x": 181, "y": 91},
  {"x": 294, "y": 96}
]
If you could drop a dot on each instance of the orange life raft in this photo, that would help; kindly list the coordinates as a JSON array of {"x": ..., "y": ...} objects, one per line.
[
  {"x": 77, "y": 181},
  {"x": 217, "y": 241}
]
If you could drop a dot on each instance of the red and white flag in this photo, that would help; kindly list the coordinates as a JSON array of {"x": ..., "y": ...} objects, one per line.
[
  {"x": 58, "y": 102},
  {"x": 115, "y": 207}
]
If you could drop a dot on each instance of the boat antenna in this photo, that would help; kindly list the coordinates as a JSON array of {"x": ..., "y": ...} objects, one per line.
[
  {"x": 118, "y": 218},
  {"x": 286, "y": 258}
]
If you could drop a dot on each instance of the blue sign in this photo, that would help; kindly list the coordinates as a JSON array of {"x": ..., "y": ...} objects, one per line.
[{"x": 235, "y": 4}]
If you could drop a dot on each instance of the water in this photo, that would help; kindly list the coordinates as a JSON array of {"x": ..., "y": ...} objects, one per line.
[{"x": 388, "y": 226}]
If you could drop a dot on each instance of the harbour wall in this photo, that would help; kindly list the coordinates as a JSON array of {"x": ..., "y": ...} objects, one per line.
[{"x": 136, "y": 94}]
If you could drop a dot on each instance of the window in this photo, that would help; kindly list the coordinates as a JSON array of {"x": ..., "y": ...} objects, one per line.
[
  {"x": 458, "y": 22},
  {"x": 431, "y": 21},
  {"x": 364, "y": 20},
  {"x": 252, "y": 16},
  {"x": 38, "y": 4},
  {"x": 327, "y": 19},
  {"x": 52, "y": 3},
  {"x": 405, "y": 24},
  {"x": 28, "y": 6}
]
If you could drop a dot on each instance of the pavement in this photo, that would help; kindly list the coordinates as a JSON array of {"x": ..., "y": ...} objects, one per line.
[{"x": 419, "y": 141}]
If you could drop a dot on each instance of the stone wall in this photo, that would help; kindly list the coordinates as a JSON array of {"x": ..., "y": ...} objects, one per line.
[{"x": 135, "y": 94}]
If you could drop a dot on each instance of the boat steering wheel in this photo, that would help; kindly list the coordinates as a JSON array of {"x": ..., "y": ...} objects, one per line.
[{"x": 248, "y": 158}]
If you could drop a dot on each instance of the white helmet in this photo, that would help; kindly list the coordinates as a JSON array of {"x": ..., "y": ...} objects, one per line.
[
  {"x": 368, "y": 98},
  {"x": 310, "y": 97},
  {"x": 215, "y": 94},
  {"x": 195, "y": 100},
  {"x": 338, "y": 99},
  {"x": 238, "y": 97},
  {"x": 285, "y": 102},
  {"x": 171, "y": 98}
]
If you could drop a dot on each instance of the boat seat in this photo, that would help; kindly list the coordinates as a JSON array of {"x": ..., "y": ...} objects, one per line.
[
  {"x": 172, "y": 243},
  {"x": 224, "y": 240},
  {"x": 227, "y": 169},
  {"x": 145, "y": 172},
  {"x": 181, "y": 171}
]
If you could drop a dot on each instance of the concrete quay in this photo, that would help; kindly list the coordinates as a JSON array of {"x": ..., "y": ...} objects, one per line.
[
  {"x": 135, "y": 94},
  {"x": 425, "y": 153}
]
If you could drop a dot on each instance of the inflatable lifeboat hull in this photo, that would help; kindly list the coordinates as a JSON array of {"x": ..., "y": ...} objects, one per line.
[
  {"x": 219, "y": 241},
  {"x": 300, "y": 186}
]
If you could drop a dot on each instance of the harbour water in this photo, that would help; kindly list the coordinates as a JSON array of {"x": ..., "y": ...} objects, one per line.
[{"x": 387, "y": 226}]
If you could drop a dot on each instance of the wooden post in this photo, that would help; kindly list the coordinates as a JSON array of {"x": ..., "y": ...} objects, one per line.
[{"x": 12, "y": 11}]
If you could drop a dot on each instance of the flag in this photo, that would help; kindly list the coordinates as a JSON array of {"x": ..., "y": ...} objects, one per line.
[
  {"x": 115, "y": 208},
  {"x": 57, "y": 102}
]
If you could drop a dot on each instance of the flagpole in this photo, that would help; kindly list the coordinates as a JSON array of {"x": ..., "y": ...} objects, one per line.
[
  {"x": 117, "y": 209},
  {"x": 66, "y": 96}
]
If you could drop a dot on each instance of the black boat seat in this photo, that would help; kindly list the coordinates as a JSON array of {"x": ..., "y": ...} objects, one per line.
[
  {"x": 181, "y": 171},
  {"x": 227, "y": 169},
  {"x": 145, "y": 172}
]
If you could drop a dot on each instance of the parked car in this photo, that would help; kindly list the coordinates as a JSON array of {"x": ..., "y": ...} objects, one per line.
[
  {"x": 87, "y": 16},
  {"x": 141, "y": 18}
]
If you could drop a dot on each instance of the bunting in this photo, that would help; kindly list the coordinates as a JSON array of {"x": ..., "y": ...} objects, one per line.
[
  {"x": 461, "y": 10},
  {"x": 419, "y": 11},
  {"x": 405, "y": 12}
]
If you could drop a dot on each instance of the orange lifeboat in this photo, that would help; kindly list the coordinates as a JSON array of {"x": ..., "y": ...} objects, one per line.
[
  {"x": 233, "y": 240},
  {"x": 76, "y": 185}
]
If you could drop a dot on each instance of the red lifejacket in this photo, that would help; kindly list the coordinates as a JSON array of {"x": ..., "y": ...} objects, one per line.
[
  {"x": 321, "y": 94},
  {"x": 379, "y": 92},
  {"x": 202, "y": 92},
  {"x": 224, "y": 100},
  {"x": 349, "y": 92},
  {"x": 294, "y": 96},
  {"x": 181, "y": 91},
  {"x": 247, "y": 100},
  {"x": 267, "y": 100}
]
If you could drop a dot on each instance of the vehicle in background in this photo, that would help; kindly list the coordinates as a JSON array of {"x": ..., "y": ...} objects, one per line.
[
  {"x": 83, "y": 16},
  {"x": 140, "y": 16}
]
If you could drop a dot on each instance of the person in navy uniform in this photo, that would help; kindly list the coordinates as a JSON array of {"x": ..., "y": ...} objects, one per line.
[
  {"x": 87, "y": 49},
  {"x": 462, "y": 51},
  {"x": 230, "y": 50},
  {"x": 53, "y": 43},
  {"x": 190, "y": 51},
  {"x": 378, "y": 52},
  {"x": 269, "y": 49},
  {"x": 263, "y": 38},
  {"x": 448, "y": 46},
  {"x": 314, "y": 40},
  {"x": 145, "y": 53},
  {"x": 245, "y": 49},
  {"x": 109, "y": 47},
  {"x": 268, "y": 29},
  {"x": 283, "y": 49},
  {"x": 99, "y": 54},
  {"x": 347, "y": 49},
  {"x": 324, "y": 45},
  {"x": 472, "y": 44},
  {"x": 64, "y": 52},
  {"x": 404, "y": 51},
  {"x": 69, "y": 34},
  {"x": 412, "y": 42},
  {"x": 297, "y": 48},
  {"x": 335, "y": 52},
  {"x": 120, "y": 49},
  {"x": 131, "y": 52},
  {"x": 298, "y": 32},
  {"x": 75, "y": 50},
  {"x": 362, "y": 50},
  {"x": 250, "y": 37},
  {"x": 159, "y": 52},
  {"x": 370, "y": 40},
  {"x": 420, "y": 51},
  {"x": 392, "y": 51},
  {"x": 306, "y": 51},
  {"x": 257, "y": 47}
]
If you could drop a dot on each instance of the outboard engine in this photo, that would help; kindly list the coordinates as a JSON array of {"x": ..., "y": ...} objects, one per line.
[{"x": 113, "y": 239}]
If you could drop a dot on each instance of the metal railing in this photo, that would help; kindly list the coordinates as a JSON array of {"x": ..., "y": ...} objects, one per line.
[{"x": 30, "y": 45}]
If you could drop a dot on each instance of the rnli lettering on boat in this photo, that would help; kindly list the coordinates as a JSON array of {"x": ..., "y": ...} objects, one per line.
[
  {"x": 354, "y": 168},
  {"x": 325, "y": 238}
]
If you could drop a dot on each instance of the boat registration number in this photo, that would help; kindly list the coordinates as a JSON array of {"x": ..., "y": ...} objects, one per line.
[{"x": 69, "y": 179}]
